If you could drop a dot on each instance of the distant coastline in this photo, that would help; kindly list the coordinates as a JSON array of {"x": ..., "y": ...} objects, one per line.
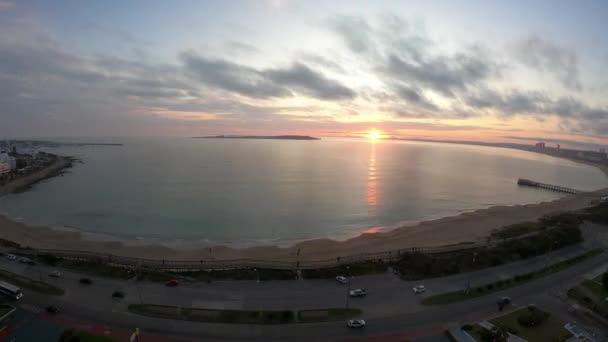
[{"x": 277, "y": 137}]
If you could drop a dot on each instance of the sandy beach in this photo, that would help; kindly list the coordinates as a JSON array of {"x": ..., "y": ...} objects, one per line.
[{"x": 466, "y": 227}]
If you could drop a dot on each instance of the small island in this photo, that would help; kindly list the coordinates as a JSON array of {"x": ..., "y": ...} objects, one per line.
[{"x": 278, "y": 137}]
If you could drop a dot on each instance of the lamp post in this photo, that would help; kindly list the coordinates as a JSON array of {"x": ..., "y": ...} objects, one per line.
[
  {"x": 348, "y": 288},
  {"x": 469, "y": 280}
]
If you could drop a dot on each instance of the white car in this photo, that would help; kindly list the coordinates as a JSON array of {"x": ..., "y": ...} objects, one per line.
[
  {"x": 358, "y": 293},
  {"x": 55, "y": 274},
  {"x": 419, "y": 289},
  {"x": 341, "y": 279},
  {"x": 11, "y": 257},
  {"x": 25, "y": 260},
  {"x": 356, "y": 323}
]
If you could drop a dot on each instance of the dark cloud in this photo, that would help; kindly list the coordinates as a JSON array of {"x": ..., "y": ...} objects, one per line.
[
  {"x": 574, "y": 115},
  {"x": 443, "y": 74},
  {"x": 513, "y": 102},
  {"x": 403, "y": 57},
  {"x": 231, "y": 77},
  {"x": 264, "y": 83},
  {"x": 541, "y": 54},
  {"x": 322, "y": 62},
  {"x": 414, "y": 97},
  {"x": 355, "y": 32},
  {"x": 301, "y": 78}
]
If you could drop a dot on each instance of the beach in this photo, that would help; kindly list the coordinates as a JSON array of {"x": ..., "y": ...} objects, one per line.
[{"x": 467, "y": 227}]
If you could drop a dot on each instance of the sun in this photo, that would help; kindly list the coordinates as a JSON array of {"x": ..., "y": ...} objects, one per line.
[{"x": 374, "y": 134}]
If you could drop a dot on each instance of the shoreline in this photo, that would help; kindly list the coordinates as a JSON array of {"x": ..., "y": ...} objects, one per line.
[
  {"x": 25, "y": 183},
  {"x": 471, "y": 226}
]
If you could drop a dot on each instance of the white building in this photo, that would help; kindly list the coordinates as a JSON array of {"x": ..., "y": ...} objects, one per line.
[{"x": 7, "y": 164}]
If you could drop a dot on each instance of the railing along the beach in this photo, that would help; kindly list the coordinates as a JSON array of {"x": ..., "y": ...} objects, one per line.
[{"x": 215, "y": 264}]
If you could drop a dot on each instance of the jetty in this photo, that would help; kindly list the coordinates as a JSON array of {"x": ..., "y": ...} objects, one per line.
[{"x": 527, "y": 182}]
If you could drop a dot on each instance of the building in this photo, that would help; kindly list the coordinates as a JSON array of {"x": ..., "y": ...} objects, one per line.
[
  {"x": 540, "y": 147},
  {"x": 7, "y": 164}
]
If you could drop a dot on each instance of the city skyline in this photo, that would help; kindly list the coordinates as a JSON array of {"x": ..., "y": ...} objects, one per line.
[{"x": 516, "y": 71}]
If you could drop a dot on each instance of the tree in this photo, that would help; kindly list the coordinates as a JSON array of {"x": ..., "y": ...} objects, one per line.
[{"x": 605, "y": 280}]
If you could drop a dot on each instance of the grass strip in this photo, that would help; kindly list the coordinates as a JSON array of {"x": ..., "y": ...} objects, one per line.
[
  {"x": 457, "y": 296},
  {"x": 591, "y": 294},
  {"x": 242, "y": 316},
  {"x": 550, "y": 329},
  {"x": 327, "y": 315},
  {"x": 30, "y": 284}
]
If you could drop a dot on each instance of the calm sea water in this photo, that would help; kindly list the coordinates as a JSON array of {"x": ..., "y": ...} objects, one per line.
[{"x": 260, "y": 191}]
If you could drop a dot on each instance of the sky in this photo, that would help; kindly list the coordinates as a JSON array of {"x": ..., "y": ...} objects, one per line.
[{"x": 452, "y": 70}]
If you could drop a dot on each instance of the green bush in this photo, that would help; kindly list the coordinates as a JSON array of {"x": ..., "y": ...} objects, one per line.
[{"x": 532, "y": 317}]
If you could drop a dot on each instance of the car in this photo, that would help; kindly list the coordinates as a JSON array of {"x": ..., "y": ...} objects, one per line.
[
  {"x": 341, "y": 279},
  {"x": 502, "y": 302},
  {"x": 358, "y": 293},
  {"x": 118, "y": 294},
  {"x": 172, "y": 283},
  {"x": 25, "y": 260},
  {"x": 86, "y": 281},
  {"x": 419, "y": 289},
  {"x": 55, "y": 274},
  {"x": 356, "y": 323},
  {"x": 52, "y": 310},
  {"x": 11, "y": 257}
]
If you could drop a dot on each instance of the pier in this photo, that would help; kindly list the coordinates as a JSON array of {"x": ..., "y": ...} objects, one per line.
[{"x": 527, "y": 182}]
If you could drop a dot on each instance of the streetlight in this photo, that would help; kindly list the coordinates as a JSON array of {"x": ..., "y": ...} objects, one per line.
[
  {"x": 469, "y": 280},
  {"x": 348, "y": 288}
]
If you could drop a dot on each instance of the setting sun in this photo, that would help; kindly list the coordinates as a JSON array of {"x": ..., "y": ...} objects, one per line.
[{"x": 374, "y": 134}]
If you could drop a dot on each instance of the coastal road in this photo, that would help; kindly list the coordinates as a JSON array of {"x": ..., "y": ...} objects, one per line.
[
  {"x": 391, "y": 308},
  {"x": 406, "y": 320},
  {"x": 384, "y": 289}
]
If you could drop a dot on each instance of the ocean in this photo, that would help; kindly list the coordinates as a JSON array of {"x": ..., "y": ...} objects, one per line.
[{"x": 253, "y": 192}]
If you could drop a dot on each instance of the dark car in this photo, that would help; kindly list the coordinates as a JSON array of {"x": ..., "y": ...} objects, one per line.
[
  {"x": 172, "y": 283},
  {"x": 85, "y": 281},
  {"x": 503, "y": 301},
  {"x": 51, "y": 309}
]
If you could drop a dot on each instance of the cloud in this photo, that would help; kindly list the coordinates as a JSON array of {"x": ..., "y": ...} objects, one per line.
[
  {"x": 264, "y": 83},
  {"x": 355, "y": 32},
  {"x": 574, "y": 115},
  {"x": 414, "y": 97},
  {"x": 300, "y": 77},
  {"x": 230, "y": 76},
  {"x": 443, "y": 74},
  {"x": 543, "y": 55}
]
